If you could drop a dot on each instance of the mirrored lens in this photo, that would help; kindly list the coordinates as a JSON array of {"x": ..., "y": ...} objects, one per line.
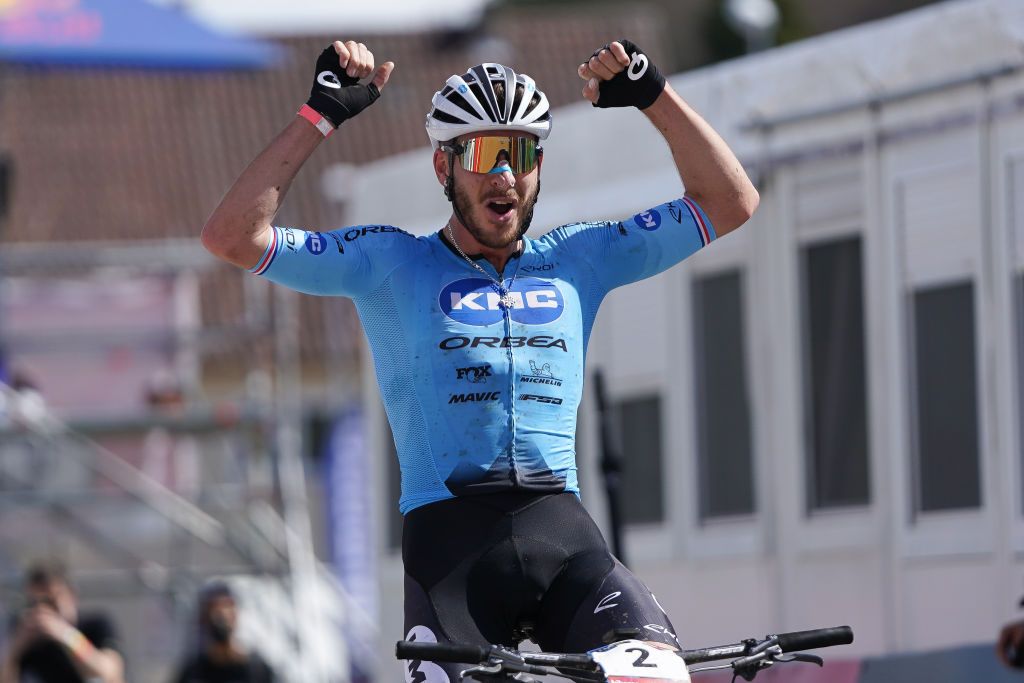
[{"x": 487, "y": 153}]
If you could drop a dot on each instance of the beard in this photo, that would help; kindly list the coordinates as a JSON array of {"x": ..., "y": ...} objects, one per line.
[{"x": 506, "y": 236}]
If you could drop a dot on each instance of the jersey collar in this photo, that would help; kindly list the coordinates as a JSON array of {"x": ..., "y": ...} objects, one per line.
[{"x": 476, "y": 257}]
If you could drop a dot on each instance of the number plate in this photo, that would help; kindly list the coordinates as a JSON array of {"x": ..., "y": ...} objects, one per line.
[{"x": 633, "y": 661}]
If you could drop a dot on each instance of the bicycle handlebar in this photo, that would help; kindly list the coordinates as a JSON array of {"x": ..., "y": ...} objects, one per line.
[
  {"x": 788, "y": 642},
  {"x": 748, "y": 649},
  {"x": 441, "y": 652},
  {"x": 819, "y": 637}
]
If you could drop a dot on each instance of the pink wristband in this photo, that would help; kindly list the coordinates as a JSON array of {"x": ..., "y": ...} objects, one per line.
[{"x": 317, "y": 119}]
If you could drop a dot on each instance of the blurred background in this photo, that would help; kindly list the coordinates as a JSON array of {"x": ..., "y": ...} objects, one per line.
[{"x": 819, "y": 417}]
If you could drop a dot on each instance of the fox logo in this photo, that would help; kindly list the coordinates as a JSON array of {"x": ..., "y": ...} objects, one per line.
[{"x": 474, "y": 374}]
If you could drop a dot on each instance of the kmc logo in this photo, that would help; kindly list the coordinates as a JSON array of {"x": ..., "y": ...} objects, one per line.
[
  {"x": 475, "y": 301},
  {"x": 648, "y": 220},
  {"x": 315, "y": 243}
]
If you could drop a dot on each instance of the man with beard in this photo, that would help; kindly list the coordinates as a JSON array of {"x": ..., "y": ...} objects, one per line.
[
  {"x": 496, "y": 544},
  {"x": 221, "y": 658}
]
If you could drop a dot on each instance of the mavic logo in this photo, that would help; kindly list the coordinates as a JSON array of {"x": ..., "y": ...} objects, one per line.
[
  {"x": 478, "y": 397},
  {"x": 606, "y": 602},
  {"x": 476, "y": 301}
]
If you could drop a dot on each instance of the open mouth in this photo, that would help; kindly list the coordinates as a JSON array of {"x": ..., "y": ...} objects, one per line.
[{"x": 501, "y": 210}]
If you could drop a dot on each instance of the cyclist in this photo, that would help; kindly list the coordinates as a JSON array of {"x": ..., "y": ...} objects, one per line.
[{"x": 479, "y": 335}]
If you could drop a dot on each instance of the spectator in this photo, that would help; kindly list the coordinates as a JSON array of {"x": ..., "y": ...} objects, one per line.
[
  {"x": 221, "y": 658},
  {"x": 1010, "y": 646},
  {"x": 52, "y": 643}
]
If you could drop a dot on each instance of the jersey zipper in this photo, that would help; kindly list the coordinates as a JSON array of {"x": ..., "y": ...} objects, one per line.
[{"x": 513, "y": 473}]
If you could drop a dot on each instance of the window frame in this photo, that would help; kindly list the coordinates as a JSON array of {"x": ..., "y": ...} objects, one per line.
[
  {"x": 740, "y": 535},
  {"x": 1008, "y": 143},
  {"x": 936, "y": 533},
  {"x": 697, "y": 399},
  {"x": 829, "y": 233},
  {"x": 846, "y": 528}
]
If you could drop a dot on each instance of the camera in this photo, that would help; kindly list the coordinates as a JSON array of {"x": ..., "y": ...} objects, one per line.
[{"x": 33, "y": 603}]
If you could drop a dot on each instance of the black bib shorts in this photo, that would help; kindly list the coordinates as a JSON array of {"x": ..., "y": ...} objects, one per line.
[{"x": 504, "y": 567}]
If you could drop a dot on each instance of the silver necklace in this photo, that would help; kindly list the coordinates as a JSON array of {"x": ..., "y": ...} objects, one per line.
[{"x": 505, "y": 299}]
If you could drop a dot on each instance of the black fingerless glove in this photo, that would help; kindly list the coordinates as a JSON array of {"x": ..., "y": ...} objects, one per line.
[
  {"x": 638, "y": 85},
  {"x": 336, "y": 95}
]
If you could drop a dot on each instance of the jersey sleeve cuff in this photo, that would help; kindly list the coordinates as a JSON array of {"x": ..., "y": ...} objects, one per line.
[
  {"x": 705, "y": 230},
  {"x": 269, "y": 255}
]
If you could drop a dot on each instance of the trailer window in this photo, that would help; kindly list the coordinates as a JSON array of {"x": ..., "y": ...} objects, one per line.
[
  {"x": 724, "y": 449},
  {"x": 946, "y": 450},
  {"x": 835, "y": 397}
]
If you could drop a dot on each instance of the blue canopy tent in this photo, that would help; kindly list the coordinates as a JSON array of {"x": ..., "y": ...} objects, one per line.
[{"x": 120, "y": 33}]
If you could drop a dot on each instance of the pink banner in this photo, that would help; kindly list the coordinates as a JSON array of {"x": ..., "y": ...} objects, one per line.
[{"x": 49, "y": 22}]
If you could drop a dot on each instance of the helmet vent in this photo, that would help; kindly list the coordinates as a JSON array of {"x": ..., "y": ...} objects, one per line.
[
  {"x": 446, "y": 118},
  {"x": 517, "y": 100},
  {"x": 460, "y": 102},
  {"x": 478, "y": 92}
]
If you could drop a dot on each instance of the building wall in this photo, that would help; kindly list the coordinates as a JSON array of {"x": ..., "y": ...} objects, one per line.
[{"x": 914, "y": 154}]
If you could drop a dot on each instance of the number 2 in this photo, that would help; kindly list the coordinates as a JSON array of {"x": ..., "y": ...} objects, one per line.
[{"x": 644, "y": 654}]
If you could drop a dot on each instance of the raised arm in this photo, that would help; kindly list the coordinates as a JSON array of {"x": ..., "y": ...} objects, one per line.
[
  {"x": 239, "y": 229},
  {"x": 94, "y": 663},
  {"x": 711, "y": 173}
]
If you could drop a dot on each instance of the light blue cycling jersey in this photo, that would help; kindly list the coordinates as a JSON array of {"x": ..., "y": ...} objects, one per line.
[{"x": 482, "y": 395}]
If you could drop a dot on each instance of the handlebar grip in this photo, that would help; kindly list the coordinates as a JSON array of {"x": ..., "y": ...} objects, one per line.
[
  {"x": 819, "y": 637},
  {"x": 442, "y": 652}
]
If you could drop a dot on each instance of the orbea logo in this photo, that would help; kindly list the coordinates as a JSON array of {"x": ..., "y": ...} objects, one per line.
[
  {"x": 475, "y": 301},
  {"x": 648, "y": 220}
]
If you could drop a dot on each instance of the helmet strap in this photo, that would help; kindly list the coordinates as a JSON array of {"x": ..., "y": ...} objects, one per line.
[
  {"x": 449, "y": 189},
  {"x": 449, "y": 182}
]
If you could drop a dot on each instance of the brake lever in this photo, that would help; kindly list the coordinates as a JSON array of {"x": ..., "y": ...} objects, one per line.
[
  {"x": 748, "y": 667},
  {"x": 761, "y": 657},
  {"x": 802, "y": 657},
  {"x": 485, "y": 669}
]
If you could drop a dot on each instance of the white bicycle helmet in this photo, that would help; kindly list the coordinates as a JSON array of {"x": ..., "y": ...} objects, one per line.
[{"x": 469, "y": 104}]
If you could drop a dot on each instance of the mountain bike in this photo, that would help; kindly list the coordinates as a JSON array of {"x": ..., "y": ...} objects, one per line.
[{"x": 626, "y": 659}]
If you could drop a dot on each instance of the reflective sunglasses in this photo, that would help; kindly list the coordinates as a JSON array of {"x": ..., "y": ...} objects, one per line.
[{"x": 491, "y": 153}]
